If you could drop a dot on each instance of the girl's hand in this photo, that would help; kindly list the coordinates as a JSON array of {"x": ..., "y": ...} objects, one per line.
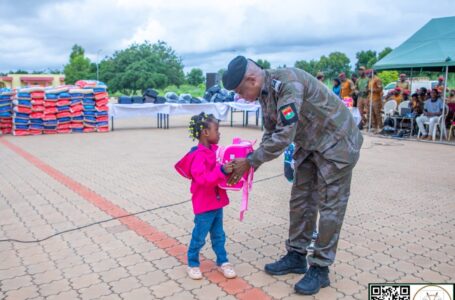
[{"x": 228, "y": 168}]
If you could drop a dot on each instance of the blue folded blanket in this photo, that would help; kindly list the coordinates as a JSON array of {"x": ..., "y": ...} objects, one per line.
[
  {"x": 64, "y": 95},
  {"x": 64, "y": 120},
  {"x": 63, "y": 108},
  {"x": 21, "y": 115},
  {"x": 51, "y": 96},
  {"x": 50, "y": 123}
]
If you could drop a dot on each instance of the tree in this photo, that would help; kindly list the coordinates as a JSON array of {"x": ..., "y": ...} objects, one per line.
[
  {"x": 142, "y": 66},
  {"x": 195, "y": 77},
  {"x": 369, "y": 57},
  {"x": 78, "y": 66},
  {"x": 19, "y": 71},
  {"x": 388, "y": 77},
  {"x": 365, "y": 58},
  {"x": 265, "y": 64},
  {"x": 384, "y": 52},
  {"x": 311, "y": 66},
  {"x": 334, "y": 63}
]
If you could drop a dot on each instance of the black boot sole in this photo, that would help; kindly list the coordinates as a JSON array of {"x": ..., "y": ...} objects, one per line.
[
  {"x": 289, "y": 271},
  {"x": 307, "y": 293}
]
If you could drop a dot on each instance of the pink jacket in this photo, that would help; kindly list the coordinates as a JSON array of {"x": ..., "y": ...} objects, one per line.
[{"x": 205, "y": 173}]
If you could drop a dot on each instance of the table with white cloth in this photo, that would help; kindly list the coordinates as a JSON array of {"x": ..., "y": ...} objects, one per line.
[
  {"x": 219, "y": 110},
  {"x": 245, "y": 109},
  {"x": 163, "y": 111}
]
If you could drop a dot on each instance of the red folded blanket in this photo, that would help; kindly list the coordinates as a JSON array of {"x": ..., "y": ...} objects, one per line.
[
  {"x": 21, "y": 109},
  {"x": 38, "y": 108},
  {"x": 35, "y": 131},
  {"x": 61, "y": 102},
  {"x": 89, "y": 129},
  {"x": 102, "y": 119},
  {"x": 37, "y": 95},
  {"x": 36, "y": 115},
  {"x": 64, "y": 126},
  {"x": 103, "y": 129},
  {"x": 64, "y": 130},
  {"x": 38, "y": 102},
  {"x": 76, "y": 108},
  {"x": 50, "y": 104},
  {"x": 102, "y": 102},
  {"x": 49, "y": 117},
  {"x": 76, "y": 125},
  {"x": 21, "y": 132},
  {"x": 102, "y": 108},
  {"x": 51, "y": 110},
  {"x": 50, "y": 131},
  {"x": 101, "y": 95},
  {"x": 64, "y": 114},
  {"x": 76, "y": 114}
]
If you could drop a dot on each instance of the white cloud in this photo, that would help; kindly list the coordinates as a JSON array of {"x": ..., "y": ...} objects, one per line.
[{"x": 207, "y": 34}]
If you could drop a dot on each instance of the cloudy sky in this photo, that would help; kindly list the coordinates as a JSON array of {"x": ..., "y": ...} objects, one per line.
[{"x": 39, "y": 34}]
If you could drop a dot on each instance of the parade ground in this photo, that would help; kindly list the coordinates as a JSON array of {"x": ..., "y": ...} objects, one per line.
[{"x": 399, "y": 225}]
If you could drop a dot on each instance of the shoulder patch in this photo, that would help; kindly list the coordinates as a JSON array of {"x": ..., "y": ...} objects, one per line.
[
  {"x": 276, "y": 85},
  {"x": 288, "y": 114}
]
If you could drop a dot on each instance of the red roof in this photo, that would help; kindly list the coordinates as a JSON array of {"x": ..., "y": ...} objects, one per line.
[
  {"x": 32, "y": 78},
  {"x": 6, "y": 78}
]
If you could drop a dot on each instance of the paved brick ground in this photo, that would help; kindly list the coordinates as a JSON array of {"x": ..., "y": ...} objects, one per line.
[{"x": 399, "y": 226}]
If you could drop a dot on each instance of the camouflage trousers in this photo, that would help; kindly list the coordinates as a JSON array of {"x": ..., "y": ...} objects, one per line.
[{"x": 310, "y": 195}]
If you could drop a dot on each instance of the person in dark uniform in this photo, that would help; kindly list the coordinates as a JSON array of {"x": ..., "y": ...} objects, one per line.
[{"x": 298, "y": 108}]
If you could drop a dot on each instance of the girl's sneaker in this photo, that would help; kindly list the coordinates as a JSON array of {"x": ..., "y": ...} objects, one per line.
[
  {"x": 194, "y": 273},
  {"x": 228, "y": 270}
]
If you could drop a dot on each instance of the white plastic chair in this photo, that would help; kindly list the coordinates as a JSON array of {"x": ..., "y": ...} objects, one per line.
[
  {"x": 404, "y": 104},
  {"x": 389, "y": 108},
  {"x": 441, "y": 124},
  {"x": 441, "y": 120}
]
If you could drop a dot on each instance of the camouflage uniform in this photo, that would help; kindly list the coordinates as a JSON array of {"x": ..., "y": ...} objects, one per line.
[
  {"x": 297, "y": 107},
  {"x": 362, "y": 102}
]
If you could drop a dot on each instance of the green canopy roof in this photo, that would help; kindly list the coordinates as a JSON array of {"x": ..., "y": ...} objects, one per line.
[{"x": 430, "y": 48}]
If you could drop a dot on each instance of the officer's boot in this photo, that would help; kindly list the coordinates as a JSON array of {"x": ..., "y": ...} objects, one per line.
[
  {"x": 313, "y": 280},
  {"x": 292, "y": 262}
]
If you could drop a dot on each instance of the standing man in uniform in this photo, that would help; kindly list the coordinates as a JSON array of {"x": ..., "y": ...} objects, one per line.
[
  {"x": 375, "y": 86},
  {"x": 361, "y": 90},
  {"x": 347, "y": 86},
  {"x": 298, "y": 108},
  {"x": 403, "y": 83}
]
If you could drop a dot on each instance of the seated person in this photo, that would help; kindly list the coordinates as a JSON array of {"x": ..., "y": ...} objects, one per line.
[
  {"x": 432, "y": 109},
  {"x": 423, "y": 94},
  {"x": 451, "y": 97},
  {"x": 416, "y": 105},
  {"x": 395, "y": 95}
]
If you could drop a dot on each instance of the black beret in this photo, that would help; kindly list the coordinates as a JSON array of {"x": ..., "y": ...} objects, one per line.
[{"x": 235, "y": 72}]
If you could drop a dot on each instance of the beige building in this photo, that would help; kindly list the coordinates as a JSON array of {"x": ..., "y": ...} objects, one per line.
[{"x": 14, "y": 81}]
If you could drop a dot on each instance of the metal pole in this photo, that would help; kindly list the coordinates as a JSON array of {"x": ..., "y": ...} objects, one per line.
[
  {"x": 443, "y": 121},
  {"x": 371, "y": 101}
]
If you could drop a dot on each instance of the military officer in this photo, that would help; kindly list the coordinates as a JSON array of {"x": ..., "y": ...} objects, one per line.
[{"x": 298, "y": 108}]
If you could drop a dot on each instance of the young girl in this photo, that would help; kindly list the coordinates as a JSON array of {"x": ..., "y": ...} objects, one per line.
[{"x": 201, "y": 167}]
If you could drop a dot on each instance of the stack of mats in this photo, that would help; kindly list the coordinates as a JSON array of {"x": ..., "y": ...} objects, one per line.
[
  {"x": 6, "y": 110},
  {"x": 95, "y": 104},
  {"x": 50, "y": 121},
  {"x": 64, "y": 112},
  {"x": 22, "y": 109},
  {"x": 76, "y": 109},
  {"x": 102, "y": 108},
  {"x": 36, "y": 117}
]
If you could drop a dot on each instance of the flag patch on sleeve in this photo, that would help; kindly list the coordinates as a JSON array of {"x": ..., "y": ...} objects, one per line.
[{"x": 288, "y": 114}]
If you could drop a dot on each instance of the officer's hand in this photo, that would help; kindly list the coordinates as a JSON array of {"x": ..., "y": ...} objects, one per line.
[
  {"x": 228, "y": 167},
  {"x": 241, "y": 165}
]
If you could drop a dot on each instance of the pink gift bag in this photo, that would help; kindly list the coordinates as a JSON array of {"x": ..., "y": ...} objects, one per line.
[{"x": 238, "y": 149}]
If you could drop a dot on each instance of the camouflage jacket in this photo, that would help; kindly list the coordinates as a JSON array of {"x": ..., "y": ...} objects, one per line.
[{"x": 297, "y": 108}]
